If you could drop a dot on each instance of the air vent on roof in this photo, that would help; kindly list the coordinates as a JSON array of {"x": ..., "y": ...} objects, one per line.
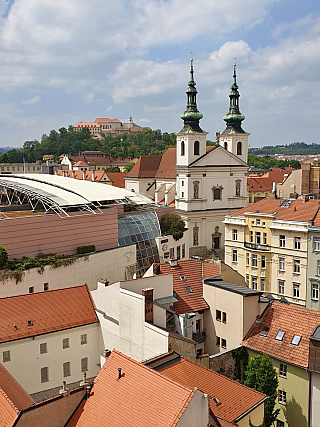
[
  {"x": 296, "y": 340},
  {"x": 30, "y": 322},
  {"x": 189, "y": 290},
  {"x": 183, "y": 278},
  {"x": 216, "y": 401},
  {"x": 280, "y": 335}
]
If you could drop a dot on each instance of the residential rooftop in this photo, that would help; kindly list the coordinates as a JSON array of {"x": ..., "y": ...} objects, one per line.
[
  {"x": 231, "y": 287},
  {"x": 40, "y": 313},
  {"x": 283, "y": 332}
]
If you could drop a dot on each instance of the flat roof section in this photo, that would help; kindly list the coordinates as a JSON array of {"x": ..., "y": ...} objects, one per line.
[{"x": 238, "y": 289}]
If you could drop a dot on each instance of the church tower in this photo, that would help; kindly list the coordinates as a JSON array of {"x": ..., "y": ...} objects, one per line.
[
  {"x": 234, "y": 138},
  {"x": 191, "y": 140}
]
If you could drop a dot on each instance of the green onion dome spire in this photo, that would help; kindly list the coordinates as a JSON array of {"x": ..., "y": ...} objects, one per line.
[
  {"x": 234, "y": 118},
  {"x": 192, "y": 115}
]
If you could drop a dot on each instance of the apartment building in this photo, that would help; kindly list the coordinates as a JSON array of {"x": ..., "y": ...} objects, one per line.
[{"x": 267, "y": 243}]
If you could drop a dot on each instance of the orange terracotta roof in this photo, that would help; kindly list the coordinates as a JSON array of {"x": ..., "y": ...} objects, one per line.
[
  {"x": 290, "y": 319},
  {"x": 142, "y": 397},
  {"x": 297, "y": 211},
  {"x": 277, "y": 175},
  {"x": 49, "y": 311},
  {"x": 8, "y": 412},
  {"x": 117, "y": 178},
  {"x": 18, "y": 396},
  {"x": 235, "y": 399},
  {"x": 86, "y": 125},
  {"x": 167, "y": 165},
  {"x": 98, "y": 175},
  {"x": 146, "y": 167},
  {"x": 259, "y": 184},
  {"x": 80, "y": 163},
  {"x": 210, "y": 270},
  {"x": 106, "y": 120},
  {"x": 192, "y": 271}
]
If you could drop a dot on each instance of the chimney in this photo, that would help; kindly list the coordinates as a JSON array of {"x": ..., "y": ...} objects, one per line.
[
  {"x": 84, "y": 381},
  {"x": 304, "y": 198},
  {"x": 83, "y": 175},
  {"x": 156, "y": 269},
  {"x": 120, "y": 374},
  {"x": 148, "y": 304},
  {"x": 305, "y": 178},
  {"x": 92, "y": 176},
  {"x": 73, "y": 174},
  {"x": 64, "y": 390}
]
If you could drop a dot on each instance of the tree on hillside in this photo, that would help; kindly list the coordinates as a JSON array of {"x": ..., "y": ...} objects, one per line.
[
  {"x": 261, "y": 376},
  {"x": 128, "y": 166}
]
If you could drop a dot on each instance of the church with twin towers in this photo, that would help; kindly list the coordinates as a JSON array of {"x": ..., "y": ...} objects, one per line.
[{"x": 203, "y": 183}]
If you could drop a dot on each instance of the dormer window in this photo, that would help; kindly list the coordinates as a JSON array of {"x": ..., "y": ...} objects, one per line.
[
  {"x": 189, "y": 290},
  {"x": 264, "y": 333},
  {"x": 196, "y": 148},
  {"x": 280, "y": 336},
  {"x": 183, "y": 278}
]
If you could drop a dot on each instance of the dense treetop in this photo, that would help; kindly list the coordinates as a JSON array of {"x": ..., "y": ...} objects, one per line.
[{"x": 294, "y": 148}]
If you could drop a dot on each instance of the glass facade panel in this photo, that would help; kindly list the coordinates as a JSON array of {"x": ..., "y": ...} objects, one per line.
[{"x": 140, "y": 228}]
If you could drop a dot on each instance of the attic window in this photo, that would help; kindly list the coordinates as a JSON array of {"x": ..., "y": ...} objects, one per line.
[
  {"x": 183, "y": 278},
  {"x": 264, "y": 332},
  {"x": 296, "y": 340},
  {"x": 286, "y": 203},
  {"x": 189, "y": 290},
  {"x": 280, "y": 335},
  {"x": 215, "y": 400},
  {"x": 29, "y": 322}
]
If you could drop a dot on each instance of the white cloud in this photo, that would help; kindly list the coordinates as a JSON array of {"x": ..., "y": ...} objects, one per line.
[
  {"x": 34, "y": 100},
  {"x": 144, "y": 120},
  {"x": 88, "y": 98}
]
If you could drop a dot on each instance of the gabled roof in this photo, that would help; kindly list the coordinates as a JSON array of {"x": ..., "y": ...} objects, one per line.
[
  {"x": 81, "y": 163},
  {"x": 292, "y": 320},
  {"x": 13, "y": 398},
  {"x": 117, "y": 178},
  {"x": 48, "y": 311},
  {"x": 259, "y": 184},
  {"x": 191, "y": 273},
  {"x": 98, "y": 175},
  {"x": 297, "y": 211},
  {"x": 210, "y": 149},
  {"x": 106, "y": 120},
  {"x": 167, "y": 165},
  {"x": 142, "y": 397},
  {"x": 146, "y": 167},
  {"x": 234, "y": 398}
]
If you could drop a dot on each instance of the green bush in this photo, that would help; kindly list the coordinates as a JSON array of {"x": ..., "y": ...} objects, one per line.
[
  {"x": 3, "y": 256},
  {"x": 172, "y": 224},
  {"x": 85, "y": 249}
]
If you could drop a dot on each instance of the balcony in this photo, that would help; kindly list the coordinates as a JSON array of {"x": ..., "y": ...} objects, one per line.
[{"x": 257, "y": 246}]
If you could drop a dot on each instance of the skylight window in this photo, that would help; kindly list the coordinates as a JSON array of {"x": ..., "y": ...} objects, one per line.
[
  {"x": 189, "y": 290},
  {"x": 286, "y": 203},
  {"x": 296, "y": 340},
  {"x": 264, "y": 332},
  {"x": 183, "y": 278},
  {"x": 280, "y": 335},
  {"x": 216, "y": 401}
]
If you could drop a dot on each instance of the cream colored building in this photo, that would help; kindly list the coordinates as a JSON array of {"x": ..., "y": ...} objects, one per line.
[
  {"x": 267, "y": 243},
  {"x": 49, "y": 337}
]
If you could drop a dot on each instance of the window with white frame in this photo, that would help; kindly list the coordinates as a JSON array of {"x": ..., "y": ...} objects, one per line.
[
  {"x": 297, "y": 243},
  {"x": 248, "y": 259},
  {"x": 223, "y": 343},
  {"x": 264, "y": 238},
  {"x": 44, "y": 374},
  {"x": 282, "y": 241},
  {"x": 282, "y": 263},
  {"x": 254, "y": 282},
  {"x": 296, "y": 266},
  {"x": 254, "y": 260},
  {"x": 262, "y": 284},
  {"x": 258, "y": 238},
  {"x": 318, "y": 268},
  {"x": 258, "y": 222},
  {"x": 282, "y": 397},
  {"x": 316, "y": 243},
  {"x": 263, "y": 261},
  {"x": 251, "y": 236},
  {"x": 315, "y": 292},
  {"x": 283, "y": 370},
  {"x": 235, "y": 255},
  {"x": 234, "y": 234},
  {"x": 296, "y": 290},
  {"x": 281, "y": 287}
]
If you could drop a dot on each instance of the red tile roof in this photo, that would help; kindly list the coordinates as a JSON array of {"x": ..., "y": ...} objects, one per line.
[
  {"x": 106, "y": 120},
  {"x": 117, "y": 178},
  {"x": 49, "y": 311},
  {"x": 277, "y": 175},
  {"x": 142, "y": 397},
  {"x": 167, "y": 165},
  {"x": 146, "y": 167},
  {"x": 297, "y": 211},
  {"x": 235, "y": 399},
  {"x": 259, "y": 184},
  {"x": 98, "y": 175},
  {"x": 80, "y": 163},
  {"x": 192, "y": 271},
  {"x": 290, "y": 319}
]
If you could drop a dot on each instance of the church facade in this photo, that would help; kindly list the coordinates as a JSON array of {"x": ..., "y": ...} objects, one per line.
[{"x": 210, "y": 181}]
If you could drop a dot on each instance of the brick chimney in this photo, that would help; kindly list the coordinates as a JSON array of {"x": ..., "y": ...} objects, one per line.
[
  {"x": 148, "y": 304},
  {"x": 305, "y": 178},
  {"x": 156, "y": 269}
]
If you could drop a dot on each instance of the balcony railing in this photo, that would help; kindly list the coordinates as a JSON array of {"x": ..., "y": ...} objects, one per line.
[{"x": 257, "y": 246}]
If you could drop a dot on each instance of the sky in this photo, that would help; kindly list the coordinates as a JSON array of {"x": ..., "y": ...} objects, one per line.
[{"x": 64, "y": 61}]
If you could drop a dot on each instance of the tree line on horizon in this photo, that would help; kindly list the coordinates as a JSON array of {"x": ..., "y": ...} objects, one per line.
[{"x": 300, "y": 148}]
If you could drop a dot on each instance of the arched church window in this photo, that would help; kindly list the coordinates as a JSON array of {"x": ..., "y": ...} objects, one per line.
[
  {"x": 182, "y": 148},
  {"x": 196, "y": 148},
  {"x": 196, "y": 190},
  {"x": 238, "y": 187},
  {"x": 226, "y": 145},
  {"x": 239, "y": 148}
]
